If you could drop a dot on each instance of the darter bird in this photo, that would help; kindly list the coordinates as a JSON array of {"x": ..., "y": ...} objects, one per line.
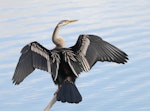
[{"x": 65, "y": 64}]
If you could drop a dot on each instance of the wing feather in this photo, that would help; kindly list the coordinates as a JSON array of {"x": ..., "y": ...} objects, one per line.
[
  {"x": 33, "y": 56},
  {"x": 95, "y": 49}
]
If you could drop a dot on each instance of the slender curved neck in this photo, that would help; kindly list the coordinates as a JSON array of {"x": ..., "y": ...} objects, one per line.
[
  {"x": 55, "y": 33},
  {"x": 59, "y": 42}
]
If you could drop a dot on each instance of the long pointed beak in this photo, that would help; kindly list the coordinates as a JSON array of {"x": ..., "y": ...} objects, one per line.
[{"x": 70, "y": 21}]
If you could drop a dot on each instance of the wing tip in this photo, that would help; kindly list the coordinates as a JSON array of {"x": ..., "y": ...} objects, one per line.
[
  {"x": 15, "y": 82},
  {"x": 124, "y": 61}
]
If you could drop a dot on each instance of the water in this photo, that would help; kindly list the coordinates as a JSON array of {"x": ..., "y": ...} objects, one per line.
[{"x": 108, "y": 86}]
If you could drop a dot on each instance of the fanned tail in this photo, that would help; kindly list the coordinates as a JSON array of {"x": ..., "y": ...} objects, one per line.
[{"x": 69, "y": 93}]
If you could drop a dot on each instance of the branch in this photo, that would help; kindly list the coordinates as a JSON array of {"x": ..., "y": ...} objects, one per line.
[{"x": 51, "y": 103}]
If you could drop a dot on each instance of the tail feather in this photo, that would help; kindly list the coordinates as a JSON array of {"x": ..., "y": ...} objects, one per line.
[
  {"x": 76, "y": 96},
  {"x": 69, "y": 93}
]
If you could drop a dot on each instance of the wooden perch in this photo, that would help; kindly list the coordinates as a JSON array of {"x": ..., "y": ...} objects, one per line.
[{"x": 51, "y": 103}]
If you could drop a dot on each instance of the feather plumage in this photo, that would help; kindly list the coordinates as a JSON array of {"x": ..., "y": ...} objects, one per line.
[{"x": 64, "y": 63}]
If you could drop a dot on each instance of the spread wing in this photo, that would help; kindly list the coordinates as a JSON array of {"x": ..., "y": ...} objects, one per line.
[
  {"x": 33, "y": 56},
  {"x": 92, "y": 49}
]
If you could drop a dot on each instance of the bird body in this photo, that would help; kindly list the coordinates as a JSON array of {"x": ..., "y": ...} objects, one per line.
[{"x": 65, "y": 64}]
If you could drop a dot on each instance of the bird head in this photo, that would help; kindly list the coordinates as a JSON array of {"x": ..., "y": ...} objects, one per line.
[{"x": 65, "y": 22}]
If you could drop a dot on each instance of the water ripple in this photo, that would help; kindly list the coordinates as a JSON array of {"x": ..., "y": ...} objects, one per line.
[{"x": 113, "y": 87}]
